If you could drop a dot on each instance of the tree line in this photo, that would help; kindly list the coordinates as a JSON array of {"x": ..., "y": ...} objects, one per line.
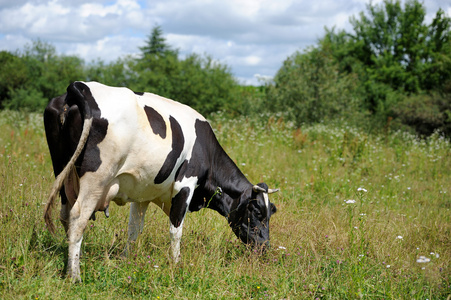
[
  {"x": 392, "y": 70},
  {"x": 31, "y": 77}
]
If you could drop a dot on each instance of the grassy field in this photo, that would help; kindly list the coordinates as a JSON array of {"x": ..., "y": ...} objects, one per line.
[{"x": 359, "y": 216}]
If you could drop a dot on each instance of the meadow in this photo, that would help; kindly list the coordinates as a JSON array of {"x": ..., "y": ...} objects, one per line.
[{"x": 359, "y": 216}]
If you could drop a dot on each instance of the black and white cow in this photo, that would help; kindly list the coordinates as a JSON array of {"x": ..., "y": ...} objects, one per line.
[{"x": 110, "y": 144}]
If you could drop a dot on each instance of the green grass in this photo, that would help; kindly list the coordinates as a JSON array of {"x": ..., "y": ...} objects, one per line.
[{"x": 322, "y": 247}]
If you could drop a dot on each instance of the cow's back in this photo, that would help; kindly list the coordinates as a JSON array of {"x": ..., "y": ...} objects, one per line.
[{"x": 147, "y": 139}]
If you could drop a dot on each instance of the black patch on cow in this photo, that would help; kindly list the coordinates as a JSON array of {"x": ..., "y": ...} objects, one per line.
[
  {"x": 181, "y": 171},
  {"x": 204, "y": 145},
  {"x": 156, "y": 121},
  {"x": 139, "y": 93},
  {"x": 90, "y": 160},
  {"x": 178, "y": 141},
  {"x": 178, "y": 207}
]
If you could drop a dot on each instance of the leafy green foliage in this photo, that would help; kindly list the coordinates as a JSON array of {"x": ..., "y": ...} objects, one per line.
[
  {"x": 395, "y": 46},
  {"x": 156, "y": 44},
  {"x": 425, "y": 113},
  {"x": 28, "y": 99},
  {"x": 13, "y": 74},
  {"x": 310, "y": 88},
  {"x": 197, "y": 81},
  {"x": 37, "y": 74},
  {"x": 116, "y": 73},
  {"x": 390, "y": 56}
]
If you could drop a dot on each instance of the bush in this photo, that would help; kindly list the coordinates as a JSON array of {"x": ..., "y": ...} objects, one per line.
[
  {"x": 310, "y": 89},
  {"x": 426, "y": 113},
  {"x": 26, "y": 100}
]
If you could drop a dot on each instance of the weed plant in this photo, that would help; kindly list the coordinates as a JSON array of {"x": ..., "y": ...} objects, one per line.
[{"x": 359, "y": 216}]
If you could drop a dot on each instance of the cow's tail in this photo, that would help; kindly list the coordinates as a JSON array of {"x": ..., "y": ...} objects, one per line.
[{"x": 85, "y": 111}]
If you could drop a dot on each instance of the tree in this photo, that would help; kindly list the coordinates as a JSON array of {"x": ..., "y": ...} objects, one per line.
[
  {"x": 389, "y": 62},
  {"x": 115, "y": 73},
  {"x": 437, "y": 72},
  {"x": 402, "y": 56},
  {"x": 51, "y": 73},
  {"x": 206, "y": 85},
  {"x": 309, "y": 88},
  {"x": 198, "y": 81},
  {"x": 399, "y": 49},
  {"x": 38, "y": 75},
  {"x": 13, "y": 75},
  {"x": 156, "y": 44}
]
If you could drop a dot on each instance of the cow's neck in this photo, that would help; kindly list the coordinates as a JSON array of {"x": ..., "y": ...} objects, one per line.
[{"x": 225, "y": 186}]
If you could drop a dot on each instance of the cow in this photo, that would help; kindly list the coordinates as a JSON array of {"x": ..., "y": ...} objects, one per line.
[{"x": 111, "y": 144}]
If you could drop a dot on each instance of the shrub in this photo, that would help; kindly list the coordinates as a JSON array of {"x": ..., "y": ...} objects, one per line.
[
  {"x": 26, "y": 99},
  {"x": 426, "y": 113}
]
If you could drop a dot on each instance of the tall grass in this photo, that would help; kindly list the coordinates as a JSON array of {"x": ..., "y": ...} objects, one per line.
[{"x": 355, "y": 214}]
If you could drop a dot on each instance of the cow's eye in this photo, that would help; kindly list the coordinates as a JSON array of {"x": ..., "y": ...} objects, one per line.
[{"x": 258, "y": 214}]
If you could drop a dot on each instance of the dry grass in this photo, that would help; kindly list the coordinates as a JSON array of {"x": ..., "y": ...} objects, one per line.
[{"x": 322, "y": 247}]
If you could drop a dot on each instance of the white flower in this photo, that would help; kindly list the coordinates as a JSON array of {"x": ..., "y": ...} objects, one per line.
[
  {"x": 423, "y": 259},
  {"x": 388, "y": 266},
  {"x": 282, "y": 248},
  {"x": 361, "y": 189},
  {"x": 399, "y": 237},
  {"x": 350, "y": 201}
]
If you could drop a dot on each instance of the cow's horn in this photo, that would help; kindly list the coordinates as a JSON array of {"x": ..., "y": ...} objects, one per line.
[
  {"x": 270, "y": 191},
  {"x": 257, "y": 188}
]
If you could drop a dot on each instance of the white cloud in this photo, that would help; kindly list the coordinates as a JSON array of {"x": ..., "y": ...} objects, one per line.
[
  {"x": 105, "y": 49},
  {"x": 251, "y": 36},
  {"x": 13, "y": 42}
]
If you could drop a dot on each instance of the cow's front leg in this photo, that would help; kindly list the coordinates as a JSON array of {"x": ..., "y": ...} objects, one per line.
[
  {"x": 79, "y": 216},
  {"x": 135, "y": 224},
  {"x": 179, "y": 207},
  {"x": 176, "y": 237}
]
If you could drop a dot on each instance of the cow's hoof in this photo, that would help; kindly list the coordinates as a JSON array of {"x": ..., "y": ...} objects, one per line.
[
  {"x": 74, "y": 278},
  {"x": 74, "y": 274}
]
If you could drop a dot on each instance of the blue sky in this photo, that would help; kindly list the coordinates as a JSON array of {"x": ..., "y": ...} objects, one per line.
[{"x": 253, "y": 37}]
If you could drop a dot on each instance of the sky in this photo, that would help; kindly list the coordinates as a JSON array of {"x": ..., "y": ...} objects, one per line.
[{"x": 252, "y": 37}]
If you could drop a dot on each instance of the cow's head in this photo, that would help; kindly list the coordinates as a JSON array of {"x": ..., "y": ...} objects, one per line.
[{"x": 251, "y": 222}]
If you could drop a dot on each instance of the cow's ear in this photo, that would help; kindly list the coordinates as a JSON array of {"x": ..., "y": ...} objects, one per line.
[{"x": 273, "y": 208}]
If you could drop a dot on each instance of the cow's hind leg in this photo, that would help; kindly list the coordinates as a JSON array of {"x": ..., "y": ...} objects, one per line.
[
  {"x": 65, "y": 215},
  {"x": 135, "y": 224},
  {"x": 79, "y": 217}
]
